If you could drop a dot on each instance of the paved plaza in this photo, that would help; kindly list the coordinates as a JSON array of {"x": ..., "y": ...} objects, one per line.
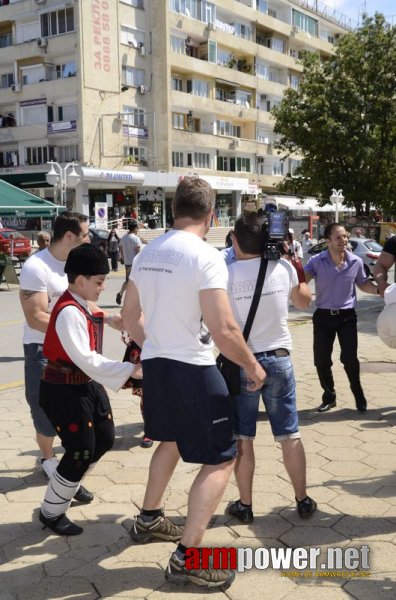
[{"x": 351, "y": 474}]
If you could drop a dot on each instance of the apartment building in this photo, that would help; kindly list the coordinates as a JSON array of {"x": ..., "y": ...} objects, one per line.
[{"x": 141, "y": 92}]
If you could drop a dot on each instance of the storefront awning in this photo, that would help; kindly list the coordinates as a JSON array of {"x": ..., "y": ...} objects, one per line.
[
  {"x": 17, "y": 202},
  {"x": 308, "y": 204}
]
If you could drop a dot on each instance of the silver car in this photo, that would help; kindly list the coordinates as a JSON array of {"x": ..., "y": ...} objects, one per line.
[{"x": 368, "y": 250}]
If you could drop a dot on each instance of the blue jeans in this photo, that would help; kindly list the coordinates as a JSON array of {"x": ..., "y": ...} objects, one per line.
[{"x": 279, "y": 397}]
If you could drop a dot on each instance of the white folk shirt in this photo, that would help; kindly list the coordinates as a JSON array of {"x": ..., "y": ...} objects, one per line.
[
  {"x": 169, "y": 273},
  {"x": 42, "y": 273},
  {"x": 71, "y": 327},
  {"x": 269, "y": 330}
]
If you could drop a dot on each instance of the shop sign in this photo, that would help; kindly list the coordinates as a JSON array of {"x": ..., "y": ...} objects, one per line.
[
  {"x": 130, "y": 131},
  {"x": 103, "y": 176},
  {"x": 60, "y": 126},
  {"x": 228, "y": 183},
  {"x": 35, "y": 102}
]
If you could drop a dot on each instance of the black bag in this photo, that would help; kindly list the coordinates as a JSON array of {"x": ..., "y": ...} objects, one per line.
[
  {"x": 231, "y": 374},
  {"x": 230, "y": 370}
]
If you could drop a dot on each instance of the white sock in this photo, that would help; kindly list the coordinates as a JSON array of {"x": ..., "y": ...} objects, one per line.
[{"x": 58, "y": 496}]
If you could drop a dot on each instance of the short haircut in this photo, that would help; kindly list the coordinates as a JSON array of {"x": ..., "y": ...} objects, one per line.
[
  {"x": 132, "y": 225},
  {"x": 68, "y": 221},
  {"x": 42, "y": 235},
  {"x": 329, "y": 230},
  {"x": 194, "y": 199},
  {"x": 248, "y": 230}
]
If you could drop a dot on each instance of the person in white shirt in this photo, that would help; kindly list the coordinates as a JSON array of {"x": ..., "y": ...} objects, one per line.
[
  {"x": 270, "y": 341},
  {"x": 306, "y": 244},
  {"x": 71, "y": 390},
  {"x": 130, "y": 246},
  {"x": 179, "y": 283},
  {"x": 294, "y": 245}
]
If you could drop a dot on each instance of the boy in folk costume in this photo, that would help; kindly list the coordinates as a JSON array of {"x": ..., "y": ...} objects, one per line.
[{"x": 71, "y": 391}]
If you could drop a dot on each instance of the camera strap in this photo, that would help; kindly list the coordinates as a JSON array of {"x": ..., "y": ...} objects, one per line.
[{"x": 256, "y": 298}]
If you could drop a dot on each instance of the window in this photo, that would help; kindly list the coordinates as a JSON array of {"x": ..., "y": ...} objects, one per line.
[
  {"x": 304, "y": 22},
  {"x": 5, "y": 40},
  {"x": 230, "y": 163},
  {"x": 179, "y": 120},
  {"x": 132, "y": 76},
  {"x": 262, "y": 70},
  {"x": 38, "y": 155},
  {"x": 278, "y": 167},
  {"x": 201, "y": 160},
  {"x": 67, "y": 112},
  {"x": 177, "y": 159},
  {"x": 132, "y": 37},
  {"x": 177, "y": 84},
  {"x": 9, "y": 158},
  {"x": 294, "y": 82},
  {"x": 263, "y": 136},
  {"x": 197, "y": 87},
  {"x": 212, "y": 51},
  {"x": 197, "y": 9},
  {"x": 67, "y": 70},
  {"x": 138, "y": 154},
  {"x": 33, "y": 115},
  {"x": 227, "y": 128},
  {"x": 57, "y": 22},
  {"x": 7, "y": 80},
  {"x": 67, "y": 153},
  {"x": 178, "y": 44},
  {"x": 224, "y": 58},
  {"x": 243, "y": 164},
  {"x": 135, "y": 117}
]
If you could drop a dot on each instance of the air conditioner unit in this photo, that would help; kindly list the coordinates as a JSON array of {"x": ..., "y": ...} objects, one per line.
[
  {"x": 15, "y": 87},
  {"x": 296, "y": 29},
  {"x": 142, "y": 49},
  {"x": 42, "y": 42},
  {"x": 142, "y": 89},
  {"x": 211, "y": 26},
  {"x": 235, "y": 143}
]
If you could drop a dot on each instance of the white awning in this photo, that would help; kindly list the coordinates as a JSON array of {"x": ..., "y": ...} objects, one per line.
[{"x": 306, "y": 205}]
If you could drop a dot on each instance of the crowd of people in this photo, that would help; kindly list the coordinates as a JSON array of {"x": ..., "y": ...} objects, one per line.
[{"x": 183, "y": 300}]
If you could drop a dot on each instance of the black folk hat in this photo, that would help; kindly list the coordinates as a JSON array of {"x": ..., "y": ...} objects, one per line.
[{"x": 87, "y": 260}]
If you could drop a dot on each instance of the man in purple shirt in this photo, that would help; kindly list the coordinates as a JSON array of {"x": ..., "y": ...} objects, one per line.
[{"x": 336, "y": 272}]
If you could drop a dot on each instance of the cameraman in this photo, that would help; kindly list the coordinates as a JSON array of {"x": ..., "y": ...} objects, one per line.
[{"x": 270, "y": 342}]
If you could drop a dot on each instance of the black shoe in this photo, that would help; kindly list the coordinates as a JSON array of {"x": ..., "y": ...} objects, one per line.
[
  {"x": 306, "y": 507},
  {"x": 61, "y": 525},
  {"x": 325, "y": 406},
  {"x": 361, "y": 404},
  {"x": 83, "y": 495},
  {"x": 119, "y": 298},
  {"x": 146, "y": 442},
  {"x": 242, "y": 513}
]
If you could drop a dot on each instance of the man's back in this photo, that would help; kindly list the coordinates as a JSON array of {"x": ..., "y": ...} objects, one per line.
[
  {"x": 269, "y": 329},
  {"x": 130, "y": 243},
  {"x": 169, "y": 274}
]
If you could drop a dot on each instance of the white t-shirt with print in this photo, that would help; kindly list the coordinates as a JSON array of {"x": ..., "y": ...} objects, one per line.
[
  {"x": 269, "y": 330},
  {"x": 42, "y": 273},
  {"x": 129, "y": 244},
  {"x": 169, "y": 273}
]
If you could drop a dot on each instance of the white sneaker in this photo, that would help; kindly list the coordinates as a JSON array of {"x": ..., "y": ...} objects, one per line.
[{"x": 49, "y": 465}]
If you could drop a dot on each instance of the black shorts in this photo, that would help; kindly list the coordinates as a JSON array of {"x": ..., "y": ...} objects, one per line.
[{"x": 190, "y": 405}]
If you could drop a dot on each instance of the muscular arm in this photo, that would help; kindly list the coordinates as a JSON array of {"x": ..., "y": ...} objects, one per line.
[
  {"x": 384, "y": 263},
  {"x": 301, "y": 296},
  {"x": 35, "y": 308},
  {"x": 131, "y": 314},
  {"x": 218, "y": 317}
]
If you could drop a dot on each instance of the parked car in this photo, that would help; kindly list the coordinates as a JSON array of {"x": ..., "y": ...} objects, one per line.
[
  {"x": 98, "y": 237},
  {"x": 22, "y": 246},
  {"x": 368, "y": 250}
]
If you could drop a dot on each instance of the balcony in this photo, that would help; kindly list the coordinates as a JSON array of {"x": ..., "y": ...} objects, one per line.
[{"x": 218, "y": 142}]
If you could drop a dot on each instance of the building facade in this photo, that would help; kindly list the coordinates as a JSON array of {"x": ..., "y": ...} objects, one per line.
[{"x": 142, "y": 92}]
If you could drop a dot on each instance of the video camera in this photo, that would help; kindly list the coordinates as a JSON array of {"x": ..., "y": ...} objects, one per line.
[{"x": 275, "y": 233}]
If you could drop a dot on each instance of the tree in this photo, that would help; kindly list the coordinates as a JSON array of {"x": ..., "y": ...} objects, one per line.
[{"x": 342, "y": 120}]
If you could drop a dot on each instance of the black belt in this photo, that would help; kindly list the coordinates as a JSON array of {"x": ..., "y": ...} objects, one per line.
[
  {"x": 277, "y": 352},
  {"x": 335, "y": 311}
]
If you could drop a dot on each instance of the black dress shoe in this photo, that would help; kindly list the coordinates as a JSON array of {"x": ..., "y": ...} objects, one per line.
[
  {"x": 61, "y": 525},
  {"x": 324, "y": 407},
  {"x": 361, "y": 404},
  {"x": 83, "y": 495}
]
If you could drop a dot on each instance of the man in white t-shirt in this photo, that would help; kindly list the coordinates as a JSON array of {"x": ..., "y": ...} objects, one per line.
[
  {"x": 270, "y": 341},
  {"x": 130, "y": 246},
  {"x": 294, "y": 245},
  {"x": 180, "y": 284},
  {"x": 306, "y": 244}
]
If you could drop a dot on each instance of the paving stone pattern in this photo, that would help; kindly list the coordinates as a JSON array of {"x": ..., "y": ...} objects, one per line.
[{"x": 351, "y": 474}]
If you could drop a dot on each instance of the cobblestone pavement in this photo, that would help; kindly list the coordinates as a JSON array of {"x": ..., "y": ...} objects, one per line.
[{"x": 351, "y": 474}]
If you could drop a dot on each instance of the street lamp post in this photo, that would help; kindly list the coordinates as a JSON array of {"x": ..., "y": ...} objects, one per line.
[
  {"x": 336, "y": 198},
  {"x": 58, "y": 176}
]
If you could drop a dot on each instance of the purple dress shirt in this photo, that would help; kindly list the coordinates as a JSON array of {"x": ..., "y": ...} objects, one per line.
[{"x": 335, "y": 286}]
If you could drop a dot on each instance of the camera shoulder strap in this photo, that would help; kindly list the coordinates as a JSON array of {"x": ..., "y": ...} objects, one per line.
[{"x": 256, "y": 298}]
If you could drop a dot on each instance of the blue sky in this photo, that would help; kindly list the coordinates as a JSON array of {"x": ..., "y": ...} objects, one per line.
[{"x": 354, "y": 8}]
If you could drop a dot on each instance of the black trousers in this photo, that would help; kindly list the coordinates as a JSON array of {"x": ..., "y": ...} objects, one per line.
[
  {"x": 325, "y": 328},
  {"x": 82, "y": 418}
]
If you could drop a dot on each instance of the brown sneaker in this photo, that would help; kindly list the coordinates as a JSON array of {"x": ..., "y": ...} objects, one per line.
[
  {"x": 177, "y": 573},
  {"x": 160, "y": 528}
]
